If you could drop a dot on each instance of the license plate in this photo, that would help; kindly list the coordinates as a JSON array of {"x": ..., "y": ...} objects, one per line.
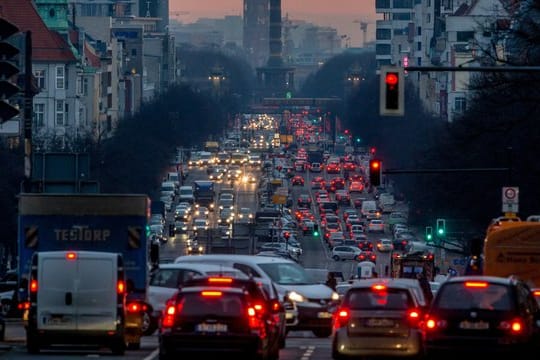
[
  {"x": 324, "y": 315},
  {"x": 379, "y": 323},
  {"x": 478, "y": 325},
  {"x": 212, "y": 327}
]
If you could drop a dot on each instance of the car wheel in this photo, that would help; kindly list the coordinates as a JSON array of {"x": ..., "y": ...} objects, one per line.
[
  {"x": 335, "y": 257},
  {"x": 149, "y": 324}
]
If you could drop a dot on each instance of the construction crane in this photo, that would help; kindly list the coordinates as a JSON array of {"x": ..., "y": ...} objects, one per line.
[{"x": 363, "y": 28}]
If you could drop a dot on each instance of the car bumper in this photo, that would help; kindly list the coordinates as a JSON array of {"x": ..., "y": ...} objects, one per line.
[
  {"x": 310, "y": 316},
  {"x": 391, "y": 346},
  {"x": 441, "y": 344},
  {"x": 175, "y": 343}
]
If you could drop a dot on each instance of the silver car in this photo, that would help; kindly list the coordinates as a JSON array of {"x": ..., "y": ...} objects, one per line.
[
  {"x": 377, "y": 318},
  {"x": 345, "y": 252}
]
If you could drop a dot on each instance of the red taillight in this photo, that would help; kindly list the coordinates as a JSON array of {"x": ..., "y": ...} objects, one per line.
[
  {"x": 71, "y": 256},
  {"x": 135, "y": 307},
  {"x": 25, "y": 305},
  {"x": 33, "y": 285},
  {"x": 211, "y": 293},
  {"x": 514, "y": 326},
  {"x": 378, "y": 287},
  {"x": 120, "y": 287},
  {"x": 341, "y": 318},
  {"x": 413, "y": 316},
  {"x": 220, "y": 280},
  {"x": 168, "y": 316},
  {"x": 476, "y": 284},
  {"x": 432, "y": 324}
]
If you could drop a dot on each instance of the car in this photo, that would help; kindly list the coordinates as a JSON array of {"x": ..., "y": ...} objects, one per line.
[
  {"x": 201, "y": 212},
  {"x": 309, "y": 305},
  {"x": 165, "y": 280},
  {"x": 356, "y": 186},
  {"x": 226, "y": 216},
  {"x": 384, "y": 245},
  {"x": 315, "y": 167},
  {"x": 180, "y": 227},
  {"x": 377, "y": 318},
  {"x": 200, "y": 224},
  {"x": 304, "y": 200},
  {"x": 367, "y": 256},
  {"x": 365, "y": 245},
  {"x": 345, "y": 252},
  {"x": 245, "y": 215},
  {"x": 536, "y": 293},
  {"x": 375, "y": 225},
  {"x": 333, "y": 168},
  {"x": 486, "y": 314},
  {"x": 220, "y": 315},
  {"x": 297, "y": 180}
]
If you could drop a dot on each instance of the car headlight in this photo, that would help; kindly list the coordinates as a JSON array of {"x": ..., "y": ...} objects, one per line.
[
  {"x": 335, "y": 296},
  {"x": 296, "y": 297}
]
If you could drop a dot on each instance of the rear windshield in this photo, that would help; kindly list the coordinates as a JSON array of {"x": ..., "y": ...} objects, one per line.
[
  {"x": 474, "y": 295},
  {"x": 224, "y": 304},
  {"x": 186, "y": 191},
  {"x": 329, "y": 205},
  {"x": 370, "y": 299}
]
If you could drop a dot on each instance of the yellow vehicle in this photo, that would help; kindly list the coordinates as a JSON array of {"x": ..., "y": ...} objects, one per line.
[{"x": 513, "y": 249}]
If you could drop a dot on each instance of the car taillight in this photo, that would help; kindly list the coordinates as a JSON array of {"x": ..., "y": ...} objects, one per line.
[
  {"x": 514, "y": 326},
  {"x": 25, "y": 305},
  {"x": 341, "y": 318},
  {"x": 256, "y": 322},
  {"x": 168, "y": 316},
  {"x": 136, "y": 307},
  {"x": 220, "y": 280},
  {"x": 433, "y": 324},
  {"x": 120, "y": 287},
  {"x": 413, "y": 315},
  {"x": 33, "y": 285}
]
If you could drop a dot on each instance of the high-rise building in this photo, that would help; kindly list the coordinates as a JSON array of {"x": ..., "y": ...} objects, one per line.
[{"x": 256, "y": 30}]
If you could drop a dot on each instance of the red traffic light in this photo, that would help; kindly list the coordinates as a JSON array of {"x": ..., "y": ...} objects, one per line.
[
  {"x": 372, "y": 150},
  {"x": 287, "y": 235},
  {"x": 391, "y": 78},
  {"x": 375, "y": 164}
]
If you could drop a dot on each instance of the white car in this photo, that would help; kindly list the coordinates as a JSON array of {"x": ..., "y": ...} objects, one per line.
[
  {"x": 375, "y": 225},
  {"x": 385, "y": 245},
  {"x": 344, "y": 252},
  {"x": 165, "y": 280},
  {"x": 200, "y": 224}
]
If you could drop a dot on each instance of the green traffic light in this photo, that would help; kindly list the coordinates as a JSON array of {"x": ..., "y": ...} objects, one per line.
[
  {"x": 315, "y": 233},
  {"x": 441, "y": 231},
  {"x": 429, "y": 237}
]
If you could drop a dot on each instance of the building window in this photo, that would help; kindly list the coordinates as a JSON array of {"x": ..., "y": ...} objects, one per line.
[
  {"x": 403, "y": 4},
  {"x": 460, "y": 105},
  {"x": 60, "y": 77},
  {"x": 419, "y": 46},
  {"x": 384, "y": 34},
  {"x": 60, "y": 113},
  {"x": 39, "y": 115},
  {"x": 419, "y": 61},
  {"x": 383, "y": 49},
  {"x": 419, "y": 31},
  {"x": 85, "y": 86},
  {"x": 401, "y": 16},
  {"x": 40, "y": 79},
  {"x": 382, "y": 4},
  {"x": 133, "y": 52},
  {"x": 464, "y": 36}
]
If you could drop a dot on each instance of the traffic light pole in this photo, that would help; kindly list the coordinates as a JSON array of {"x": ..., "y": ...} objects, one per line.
[{"x": 28, "y": 111}]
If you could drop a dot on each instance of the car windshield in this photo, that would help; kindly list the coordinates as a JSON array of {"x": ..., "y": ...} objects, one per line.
[{"x": 287, "y": 273}]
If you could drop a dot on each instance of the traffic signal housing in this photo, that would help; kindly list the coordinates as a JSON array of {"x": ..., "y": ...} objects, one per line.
[
  {"x": 8, "y": 70},
  {"x": 392, "y": 87},
  {"x": 375, "y": 168},
  {"x": 441, "y": 227},
  {"x": 429, "y": 234}
]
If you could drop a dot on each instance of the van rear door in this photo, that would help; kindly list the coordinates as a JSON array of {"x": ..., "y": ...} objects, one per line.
[
  {"x": 57, "y": 276},
  {"x": 96, "y": 292}
]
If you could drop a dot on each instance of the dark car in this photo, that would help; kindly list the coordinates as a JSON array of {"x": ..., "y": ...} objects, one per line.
[
  {"x": 297, "y": 180},
  {"x": 221, "y": 315},
  {"x": 484, "y": 315},
  {"x": 304, "y": 200}
]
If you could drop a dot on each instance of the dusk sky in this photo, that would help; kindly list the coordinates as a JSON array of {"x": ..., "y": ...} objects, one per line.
[{"x": 339, "y": 14}]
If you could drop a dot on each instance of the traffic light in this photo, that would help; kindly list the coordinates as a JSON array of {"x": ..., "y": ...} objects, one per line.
[
  {"x": 441, "y": 227},
  {"x": 375, "y": 172},
  {"x": 372, "y": 151},
  {"x": 315, "y": 229},
  {"x": 392, "y": 85},
  {"x": 8, "y": 70},
  {"x": 429, "y": 234}
]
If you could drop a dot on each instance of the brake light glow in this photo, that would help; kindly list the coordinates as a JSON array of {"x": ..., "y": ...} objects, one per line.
[
  {"x": 341, "y": 318},
  {"x": 211, "y": 293},
  {"x": 33, "y": 285},
  {"x": 536, "y": 292},
  {"x": 378, "y": 287},
  {"x": 220, "y": 280},
  {"x": 120, "y": 287},
  {"x": 71, "y": 256},
  {"x": 514, "y": 326},
  {"x": 168, "y": 318},
  {"x": 476, "y": 284},
  {"x": 136, "y": 307},
  {"x": 435, "y": 324}
]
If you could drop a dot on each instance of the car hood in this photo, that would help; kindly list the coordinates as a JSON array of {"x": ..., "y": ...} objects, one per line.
[{"x": 312, "y": 291}]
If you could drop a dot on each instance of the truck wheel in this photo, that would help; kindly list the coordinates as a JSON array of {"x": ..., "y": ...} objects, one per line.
[{"x": 149, "y": 324}]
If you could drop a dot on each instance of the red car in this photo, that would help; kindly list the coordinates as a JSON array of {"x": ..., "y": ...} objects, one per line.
[
  {"x": 349, "y": 166},
  {"x": 297, "y": 180},
  {"x": 333, "y": 168}
]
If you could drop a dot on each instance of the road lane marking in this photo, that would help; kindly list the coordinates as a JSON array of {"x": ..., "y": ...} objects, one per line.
[{"x": 152, "y": 355}]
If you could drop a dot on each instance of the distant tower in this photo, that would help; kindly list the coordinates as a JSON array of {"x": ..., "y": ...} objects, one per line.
[
  {"x": 255, "y": 31},
  {"x": 363, "y": 28},
  {"x": 275, "y": 80},
  {"x": 156, "y": 9}
]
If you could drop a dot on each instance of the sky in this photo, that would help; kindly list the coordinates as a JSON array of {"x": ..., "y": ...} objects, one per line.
[{"x": 339, "y": 14}]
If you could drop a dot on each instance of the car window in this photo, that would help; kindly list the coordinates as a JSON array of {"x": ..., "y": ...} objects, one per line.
[
  {"x": 466, "y": 295},
  {"x": 286, "y": 273},
  {"x": 197, "y": 304},
  {"x": 367, "y": 298}
]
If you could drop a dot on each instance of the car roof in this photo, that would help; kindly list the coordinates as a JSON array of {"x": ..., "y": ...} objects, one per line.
[
  {"x": 253, "y": 259},
  {"x": 490, "y": 279}
]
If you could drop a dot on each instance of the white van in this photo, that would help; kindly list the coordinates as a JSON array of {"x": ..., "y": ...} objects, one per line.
[
  {"x": 369, "y": 210},
  {"x": 185, "y": 194},
  {"x": 77, "y": 298}
]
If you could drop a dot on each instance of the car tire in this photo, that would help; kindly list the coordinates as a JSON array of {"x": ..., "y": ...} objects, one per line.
[
  {"x": 336, "y": 258},
  {"x": 149, "y": 324}
]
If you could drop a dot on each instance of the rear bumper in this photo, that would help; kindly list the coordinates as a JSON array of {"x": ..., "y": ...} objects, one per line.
[
  {"x": 310, "y": 317},
  {"x": 175, "y": 343},
  {"x": 76, "y": 337}
]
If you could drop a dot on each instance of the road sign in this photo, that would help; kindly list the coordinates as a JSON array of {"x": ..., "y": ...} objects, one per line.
[
  {"x": 510, "y": 199},
  {"x": 279, "y": 199}
]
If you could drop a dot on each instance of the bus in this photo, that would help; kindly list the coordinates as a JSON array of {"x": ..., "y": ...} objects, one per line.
[{"x": 513, "y": 249}]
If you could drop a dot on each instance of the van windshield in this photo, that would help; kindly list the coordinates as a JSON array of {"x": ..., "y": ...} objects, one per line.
[{"x": 186, "y": 191}]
